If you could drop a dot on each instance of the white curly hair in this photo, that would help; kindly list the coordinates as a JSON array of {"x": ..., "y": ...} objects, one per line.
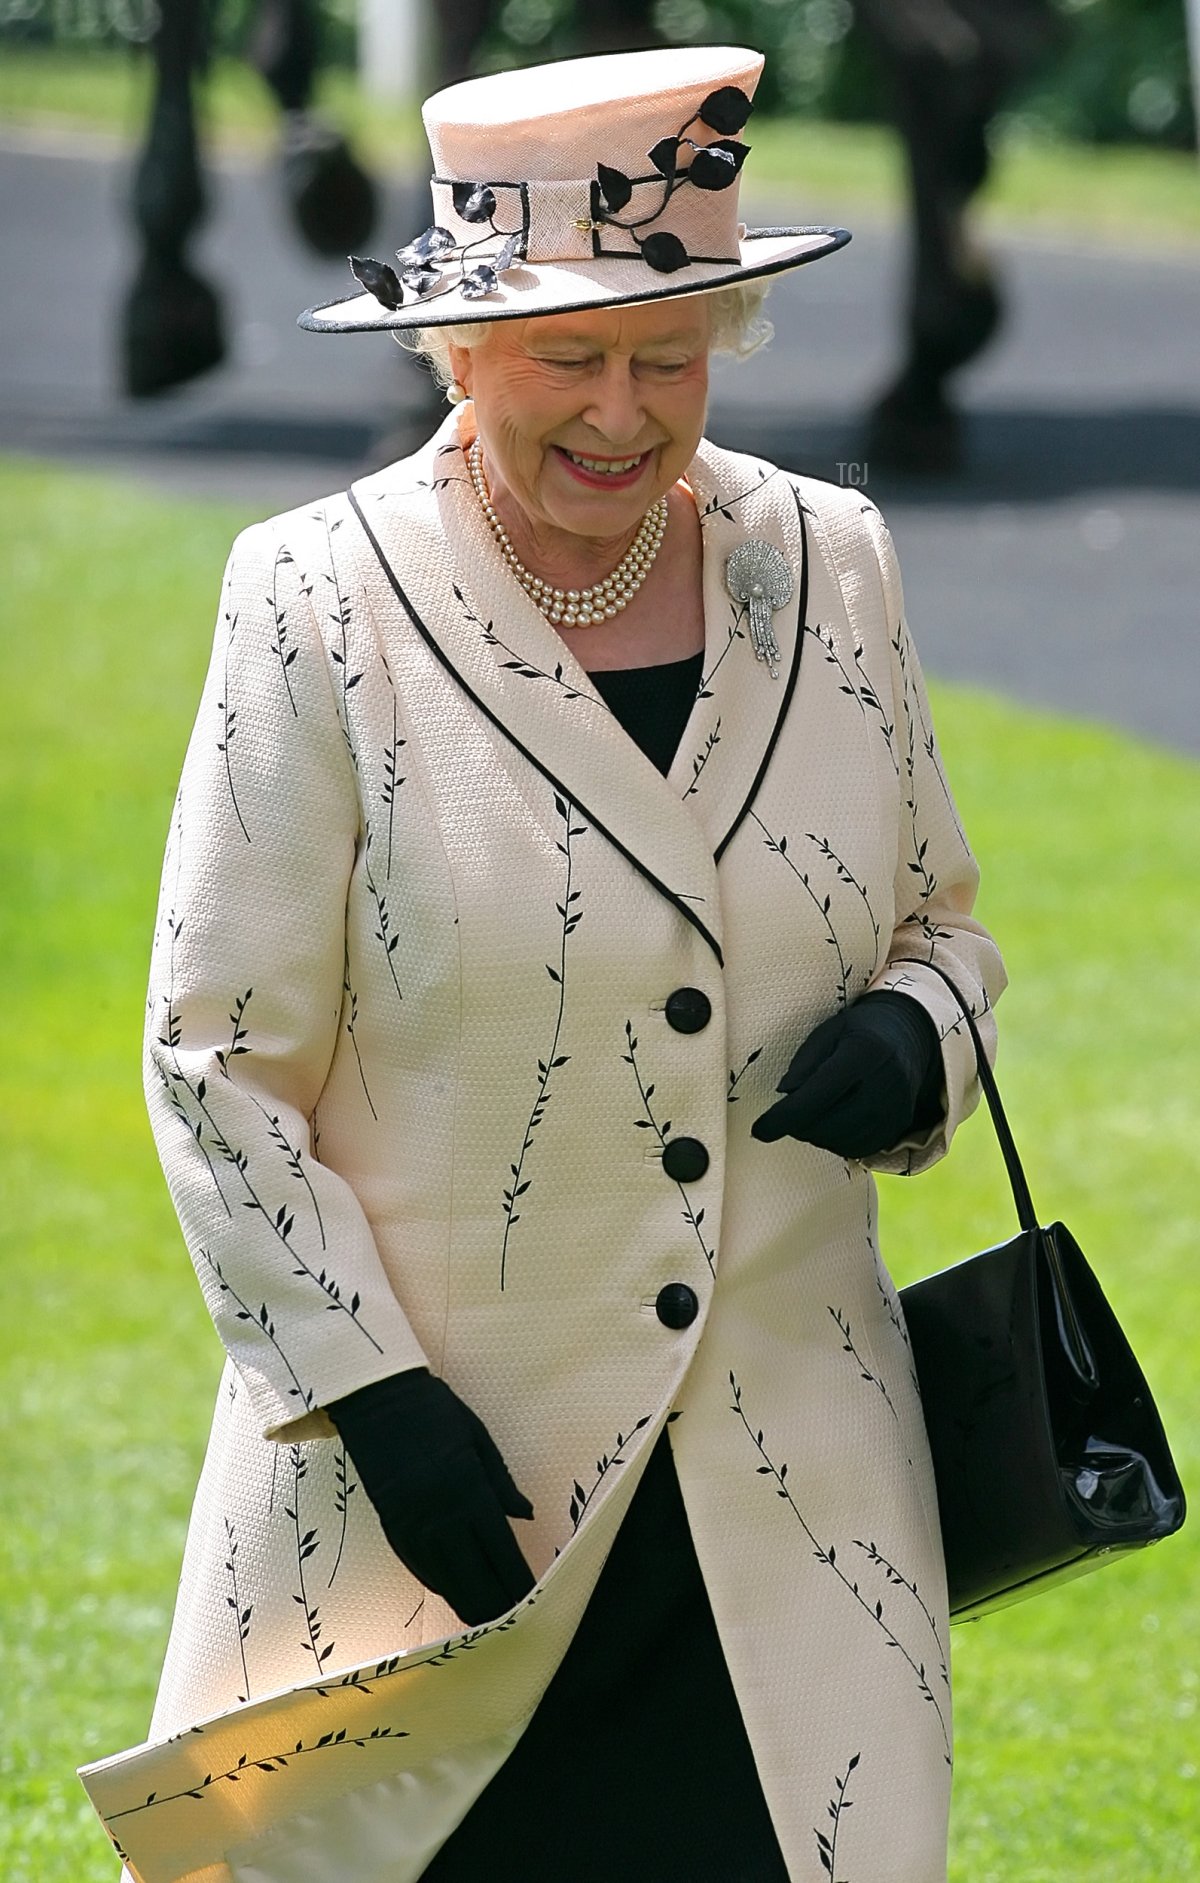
[{"x": 739, "y": 326}]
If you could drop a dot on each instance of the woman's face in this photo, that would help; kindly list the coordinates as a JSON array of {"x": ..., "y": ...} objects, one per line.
[{"x": 624, "y": 389}]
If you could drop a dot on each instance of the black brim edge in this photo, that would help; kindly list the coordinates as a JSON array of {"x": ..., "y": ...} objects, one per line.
[{"x": 838, "y": 239}]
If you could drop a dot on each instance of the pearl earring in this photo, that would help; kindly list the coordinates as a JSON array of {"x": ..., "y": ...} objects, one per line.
[{"x": 456, "y": 392}]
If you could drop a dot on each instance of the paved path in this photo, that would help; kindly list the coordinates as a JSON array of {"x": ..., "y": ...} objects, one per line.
[{"x": 1064, "y": 570}]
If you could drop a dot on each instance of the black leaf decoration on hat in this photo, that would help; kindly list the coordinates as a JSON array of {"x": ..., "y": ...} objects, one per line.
[
  {"x": 425, "y": 261},
  {"x": 513, "y": 250},
  {"x": 615, "y": 187},
  {"x": 419, "y": 279},
  {"x": 481, "y": 280},
  {"x": 664, "y": 252},
  {"x": 432, "y": 245},
  {"x": 378, "y": 279},
  {"x": 725, "y": 110},
  {"x": 474, "y": 202},
  {"x": 716, "y": 166},
  {"x": 665, "y": 155}
]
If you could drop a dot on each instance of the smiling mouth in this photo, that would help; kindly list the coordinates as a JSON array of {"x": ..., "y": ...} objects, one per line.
[{"x": 604, "y": 467}]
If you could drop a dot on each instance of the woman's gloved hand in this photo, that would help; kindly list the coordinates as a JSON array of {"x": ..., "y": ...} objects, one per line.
[
  {"x": 862, "y": 1080},
  {"x": 441, "y": 1489}
]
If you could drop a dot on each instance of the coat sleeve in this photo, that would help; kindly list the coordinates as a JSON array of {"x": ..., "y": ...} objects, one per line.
[
  {"x": 245, "y": 1007},
  {"x": 935, "y": 887}
]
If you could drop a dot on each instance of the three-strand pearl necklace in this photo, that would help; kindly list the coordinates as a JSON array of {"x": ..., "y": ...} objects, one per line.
[{"x": 577, "y": 607}]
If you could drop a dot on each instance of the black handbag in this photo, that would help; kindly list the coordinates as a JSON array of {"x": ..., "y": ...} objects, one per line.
[{"x": 1048, "y": 1451}]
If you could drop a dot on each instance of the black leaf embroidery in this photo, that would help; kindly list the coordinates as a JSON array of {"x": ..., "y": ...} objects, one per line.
[
  {"x": 268, "y": 1762},
  {"x": 171, "y": 1033},
  {"x": 839, "y": 1804},
  {"x": 926, "y": 881},
  {"x": 869, "y": 700},
  {"x": 281, "y": 1222},
  {"x": 242, "y": 1610},
  {"x": 383, "y": 919},
  {"x": 391, "y": 778},
  {"x": 519, "y": 665},
  {"x": 929, "y": 930},
  {"x": 901, "y": 1581},
  {"x": 344, "y": 1489},
  {"x": 928, "y": 741},
  {"x": 860, "y": 689},
  {"x": 350, "y": 1009},
  {"x": 463, "y": 1644},
  {"x": 712, "y": 741},
  {"x": 307, "y": 1543},
  {"x": 846, "y": 875},
  {"x": 733, "y": 1095},
  {"x": 264, "y": 1320},
  {"x": 733, "y": 633},
  {"x": 662, "y": 1130},
  {"x": 826, "y": 1554},
  {"x": 865, "y": 1372},
  {"x": 570, "y": 914},
  {"x": 279, "y": 646},
  {"x": 229, "y": 726},
  {"x": 237, "y": 1043},
  {"x": 275, "y": 1131},
  {"x": 718, "y": 505},
  {"x": 339, "y": 653},
  {"x": 608, "y": 1461},
  {"x": 822, "y": 904}
]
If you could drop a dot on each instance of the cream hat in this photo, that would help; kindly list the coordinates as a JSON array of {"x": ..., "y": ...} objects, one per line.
[{"x": 575, "y": 185}]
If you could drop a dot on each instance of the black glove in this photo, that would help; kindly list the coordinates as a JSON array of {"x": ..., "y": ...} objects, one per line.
[
  {"x": 863, "y": 1079},
  {"x": 441, "y": 1489}
]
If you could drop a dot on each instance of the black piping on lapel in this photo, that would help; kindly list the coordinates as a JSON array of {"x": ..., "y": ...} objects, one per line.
[
  {"x": 789, "y": 689},
  {"x": 564, "y": 790}
]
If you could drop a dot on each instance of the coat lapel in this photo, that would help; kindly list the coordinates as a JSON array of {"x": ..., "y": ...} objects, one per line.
[
  {"x": 422, "y": 527},
  {"x": 740, "y": 709}
]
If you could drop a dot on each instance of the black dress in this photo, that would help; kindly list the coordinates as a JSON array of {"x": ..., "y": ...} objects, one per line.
[{"x": 636, "y": 1764}]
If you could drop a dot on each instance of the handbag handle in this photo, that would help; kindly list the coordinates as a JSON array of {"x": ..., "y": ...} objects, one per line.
[
  {"x": 1026, "y": 1214},
  {"x": 1073, "y": 1335}
]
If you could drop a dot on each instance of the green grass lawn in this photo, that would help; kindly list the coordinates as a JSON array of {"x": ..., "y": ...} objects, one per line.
[
  {"x": 1078, "y": 1734},
  {"x": 800, "y": 168}
]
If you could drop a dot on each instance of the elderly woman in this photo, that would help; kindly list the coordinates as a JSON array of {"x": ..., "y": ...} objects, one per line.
[{"x": 542, "y": 969}]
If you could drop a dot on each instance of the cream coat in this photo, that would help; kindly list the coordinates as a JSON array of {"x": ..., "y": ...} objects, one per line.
[{"x": 411, "y": 1078}]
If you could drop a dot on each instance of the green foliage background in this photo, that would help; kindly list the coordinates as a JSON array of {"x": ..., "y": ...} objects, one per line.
[{"x": 1120, "y": 74}]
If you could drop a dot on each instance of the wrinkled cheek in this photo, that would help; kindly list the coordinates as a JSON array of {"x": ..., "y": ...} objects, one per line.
[{"x": 522, "y": 465}]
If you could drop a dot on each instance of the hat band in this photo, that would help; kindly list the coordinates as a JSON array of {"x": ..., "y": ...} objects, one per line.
[{"x": 568, "y": 221}]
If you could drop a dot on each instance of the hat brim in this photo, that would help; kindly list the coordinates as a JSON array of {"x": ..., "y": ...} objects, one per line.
[{"x": 569, "y": 287}]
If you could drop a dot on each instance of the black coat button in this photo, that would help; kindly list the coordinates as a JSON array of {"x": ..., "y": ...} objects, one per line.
[
  {"x": 685, "y": 1159},
  {"x": 677, "y": 1305},
  {"x": 688, "y": 1010}
]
